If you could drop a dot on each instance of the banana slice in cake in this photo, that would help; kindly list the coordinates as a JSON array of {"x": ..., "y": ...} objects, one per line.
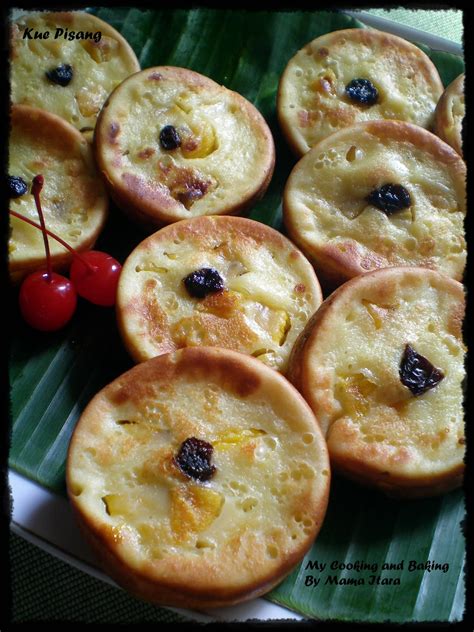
[
  {"x": 378, "y": 194},
  {"x": 173, "y": 144},
  {"x": 449, "y": 114},
  {"x": 354, "y": 75},
  {"x": 68, "y": 63},
  {"x": 216, "y": 281},
  {"x": 73, "y": 198},
  {"x": 382, "y": 365},
  {"x": 200, "y": 478}
]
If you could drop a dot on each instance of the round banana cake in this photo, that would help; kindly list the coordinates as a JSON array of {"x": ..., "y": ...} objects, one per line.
[
  {"x": 199, "y": 477},
  {"x": 73, "y": 199},
  {"x": 353, "y": 75},
  {"x": 68, "y": 63},
  {"x": 378, "y": 194},
  {"x": 381, "y": 364},
  {"x": 216, "y": 281},
  {"x": 173, "y": 144},
  {"x": 450, "y": 113}
]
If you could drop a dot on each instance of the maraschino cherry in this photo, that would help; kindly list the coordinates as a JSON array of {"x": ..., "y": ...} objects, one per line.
[
  {"x": 47, "y": 299},
  {"x": 95, "y": 275}
]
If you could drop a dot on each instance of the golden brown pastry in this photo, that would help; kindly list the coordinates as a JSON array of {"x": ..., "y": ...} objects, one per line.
[
  {"x": 378, "y": 194},
  {"x": 74, "y": 200},
  {"x": 354, "y": 75},
  {"x": 216, "y": 281},
  {"x": 173, "y": 144},
  {"x": 73, "y": 71},
  {"x": 381, "y": 365},
  {"x": 200, "y": 478},
  {"x": 449, "y": 114}
]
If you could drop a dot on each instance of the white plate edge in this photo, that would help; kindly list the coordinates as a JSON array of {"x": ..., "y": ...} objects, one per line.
[
  {"x": 56, "y": 532},
  {"x": 408, "y": 32}
]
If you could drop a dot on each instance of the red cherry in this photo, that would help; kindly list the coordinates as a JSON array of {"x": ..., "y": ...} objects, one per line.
[
  {"x": 47, "y": 301},
  {"x": 95, "y": 275}
]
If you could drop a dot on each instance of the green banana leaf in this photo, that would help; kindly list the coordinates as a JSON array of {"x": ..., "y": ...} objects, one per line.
[{"x": 53, "y": 376}]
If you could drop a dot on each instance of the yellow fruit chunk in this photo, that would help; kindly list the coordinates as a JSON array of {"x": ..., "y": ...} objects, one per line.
[
  {"x": 236, "y": 437},
  {"x": 260, "y": 352},
  {"x": 257, "y": 288},
  {"x": 193, "y": 509},
  {"x": 129, "y": 506},
  {"x": 118, "y": 504},
  {"x": 199, "y": 142},
  {"x": 353, "y": 393},
  {"x": 101, "y": 51},
  {"x": 182, "y": 103},
  {"x": 377, "y": 312},
  {"x": 325, "y": 83},
  {"x": 89, "y": 103},
  {"x": 280, "y": 325}
]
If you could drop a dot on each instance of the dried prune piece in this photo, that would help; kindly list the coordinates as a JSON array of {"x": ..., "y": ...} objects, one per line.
[
  {"x": 62, "y": 75},
  {"x": 362, "y": 91},
  {"x": 16, "y": 186},
  {"x": 417, "y": 373},
  {"x": 390, "y": 198},
  {"x": 204, "y": 281},
  {"x": 194, "y": 459},
  {"x": 169, "y": 138}
]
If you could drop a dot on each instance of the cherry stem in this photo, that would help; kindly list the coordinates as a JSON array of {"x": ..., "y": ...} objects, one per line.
[
  {"x": 54, "y": 236},
  {"x": 36, "y": 187}
]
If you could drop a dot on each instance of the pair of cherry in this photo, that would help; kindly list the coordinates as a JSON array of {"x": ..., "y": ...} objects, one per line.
[{"x": 47, "y": 299}]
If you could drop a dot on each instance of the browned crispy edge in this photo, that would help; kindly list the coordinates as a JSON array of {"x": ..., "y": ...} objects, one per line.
[
  {"x": 153, "y": 214},
  {"x": 398, "y": 486},
  {"x": 195, "y": 228},
  {"x": 53, "y": 129},
  {"x": 333, "y": 266},
  {"x": 363, "y": 35},
  {"x": 442, "y": 119},
  {"x": 144, "y": 587},
  {"x": 300, "y": 359},
  {"x": 240, "y": 374}
]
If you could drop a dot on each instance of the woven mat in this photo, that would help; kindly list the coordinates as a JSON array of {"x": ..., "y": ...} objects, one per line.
[{"x": 46, "y": 589}]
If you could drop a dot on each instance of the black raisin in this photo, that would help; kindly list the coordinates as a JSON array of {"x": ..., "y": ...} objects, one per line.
[
  {"x": 202, "y": 282},
  {"x": 194, "y": 459},
  {"x": 362, "y": 91},
  {"x": 417, "y": 373},
  {"x": 169, "y": 138},
  {"x": 16, "y": 186},
  {"x": 390, "y": 198},
  {"x": 62, "y": 75}
]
